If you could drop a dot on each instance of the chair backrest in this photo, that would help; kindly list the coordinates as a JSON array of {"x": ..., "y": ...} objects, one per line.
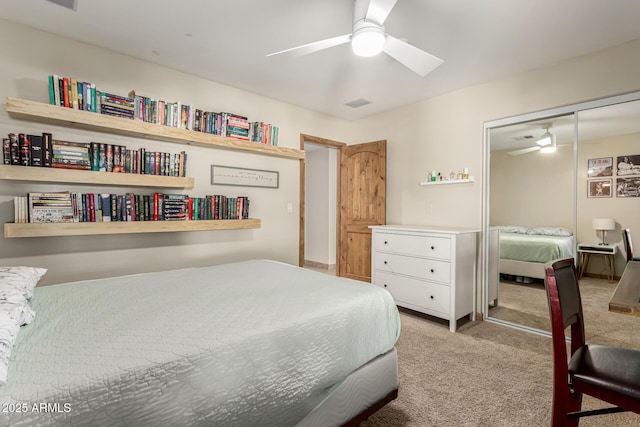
[
  {"x": 565, "y": 309},
  {"x": 628, "y": 246}
]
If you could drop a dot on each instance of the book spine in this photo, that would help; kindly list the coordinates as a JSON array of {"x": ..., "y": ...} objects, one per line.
[
  {"x": 37, "y": 157},
  {"x": 6, "y": 151},
  {"x": 52, "y": 92},
  {"x": 25, "y": 149},
  {"x": 47, "y": 149},
  {"x": 105, "y": 200},
  {"x": 65, "y": 92}
]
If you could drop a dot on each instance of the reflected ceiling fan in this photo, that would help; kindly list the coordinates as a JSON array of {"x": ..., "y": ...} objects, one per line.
[
  {"x": 546, "y": 143},
  {"x": 368, "y": 38}
]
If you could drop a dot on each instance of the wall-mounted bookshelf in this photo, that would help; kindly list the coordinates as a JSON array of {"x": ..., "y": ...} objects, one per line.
[
  {"x": 70, "y": 176},
  {"x": 53, "y": 114},
  {"x": 47, "y": 229}
]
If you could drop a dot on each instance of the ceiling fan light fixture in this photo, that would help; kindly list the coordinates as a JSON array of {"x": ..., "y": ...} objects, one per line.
[
  {"x": 367, "y": 40},
  {"x": 544, "y": 140}
]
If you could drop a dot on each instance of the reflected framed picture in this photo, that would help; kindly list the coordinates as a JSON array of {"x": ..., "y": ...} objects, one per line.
[
  {"x": 628, "y": 165},
  {"x": 628, "y": 187},
  {"x": 599, "y": 187},
  {"x": 600, "y": 167}
]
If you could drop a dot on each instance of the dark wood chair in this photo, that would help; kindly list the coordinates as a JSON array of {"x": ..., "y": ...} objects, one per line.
[
  {"x": 610, "y": 374},
  {"x": 628, "y": 246}
]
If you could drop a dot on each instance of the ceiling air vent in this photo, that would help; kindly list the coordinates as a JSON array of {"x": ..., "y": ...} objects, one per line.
[{"x": 358, "y": 103}]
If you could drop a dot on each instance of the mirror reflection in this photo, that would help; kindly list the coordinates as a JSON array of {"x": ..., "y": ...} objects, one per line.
[
  {"x": 531, "y": 215},
  {"x": 536, "y": 214}
]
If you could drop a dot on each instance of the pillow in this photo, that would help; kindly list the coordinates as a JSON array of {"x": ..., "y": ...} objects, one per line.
[
  {"x": 512, "y": 229},
  {"x": 21, "y": 279},
  {"x": 551, "y": 231},
  {"x": 12, "y": 316}
]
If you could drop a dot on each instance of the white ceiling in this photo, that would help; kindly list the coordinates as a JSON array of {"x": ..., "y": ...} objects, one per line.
[{"x": 227, "y": 42}]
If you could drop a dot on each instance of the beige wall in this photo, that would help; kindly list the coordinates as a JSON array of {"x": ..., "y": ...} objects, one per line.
[
  {"x": 24, "y": 67},
  {"x": 442, "y": 133},
  {"x": 320, "y": 204},
  {"x": 445, "y": 133},
  {"x": 532, "y": 190}
]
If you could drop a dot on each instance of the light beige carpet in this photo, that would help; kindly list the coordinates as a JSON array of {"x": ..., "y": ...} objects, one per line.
[
  {"x": 526, "y": 304},
  {"x": 483, "y": 375}
]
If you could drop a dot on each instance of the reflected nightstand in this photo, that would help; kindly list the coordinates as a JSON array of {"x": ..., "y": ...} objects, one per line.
[{"x": 585, "y": 250}]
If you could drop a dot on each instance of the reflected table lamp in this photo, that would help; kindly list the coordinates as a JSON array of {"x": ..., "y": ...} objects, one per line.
[{"x": 603, "y": 225}]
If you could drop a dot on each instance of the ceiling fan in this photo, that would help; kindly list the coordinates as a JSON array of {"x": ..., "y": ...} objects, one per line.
[
  {"x": 368, "y": 38},
  {"x": 546, "y": 143}
]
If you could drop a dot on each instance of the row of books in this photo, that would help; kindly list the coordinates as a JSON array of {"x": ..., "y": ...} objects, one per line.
[
  {"x": 60, "y": 207},
  {"x": 118, "y": 158},
  {"x": 42, "y": 150},
  {"x": 185, "y": 116},
  {"x": 27, "y": 150},
  {"x": 71, "y": 93}
]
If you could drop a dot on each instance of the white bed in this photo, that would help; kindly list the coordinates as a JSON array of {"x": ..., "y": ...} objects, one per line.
[
  {"x": 250, "y": 343},
  {"x": 526, "y": 254}
]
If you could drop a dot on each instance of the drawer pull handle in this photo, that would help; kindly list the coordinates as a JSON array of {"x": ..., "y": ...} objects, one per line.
[
  {"x": 385, "y": 263},
  {"x": 432, "y": 270},
  {"x": 385, "y": 285},
  {"x": 385, "y": 242},
  {"x": 433, "y": 248},
  {"x": 431, "y": 296}
]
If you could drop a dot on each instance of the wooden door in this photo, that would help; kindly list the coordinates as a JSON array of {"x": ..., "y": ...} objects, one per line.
[{"x": 363, "y": 174}]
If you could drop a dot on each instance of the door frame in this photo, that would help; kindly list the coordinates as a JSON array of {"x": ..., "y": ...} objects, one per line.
[{"x": 328, "y": 143}]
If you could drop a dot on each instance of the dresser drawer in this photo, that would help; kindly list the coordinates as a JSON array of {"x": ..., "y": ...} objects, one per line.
[
  {"x": 416, "y": 245},
  {"x": 430, "y": 269},
  {"x": 430, "y": 296}
]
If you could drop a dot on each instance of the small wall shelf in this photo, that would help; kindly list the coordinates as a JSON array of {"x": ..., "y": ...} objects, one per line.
[
  {"x": 454, "y": 181},
  {"x": 48, "y": 229},
  {"x": 42, "y": 174},
  {"x": 53, "y": 114}
]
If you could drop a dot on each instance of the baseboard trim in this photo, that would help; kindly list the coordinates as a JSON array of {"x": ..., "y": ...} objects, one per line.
[
  {"x": 601, "y": 276},
  {"x": 315, "y": 264}
]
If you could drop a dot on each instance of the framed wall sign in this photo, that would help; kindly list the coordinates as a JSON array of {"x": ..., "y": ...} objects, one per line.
[
  {"x": 600, "y": 167},
  {"x": 628, "y": 187},
  {"x": 599, "y": 187},
  {"x": 230, "y": 175}
]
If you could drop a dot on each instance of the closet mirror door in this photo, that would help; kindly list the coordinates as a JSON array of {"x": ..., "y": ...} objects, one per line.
[
  {"x": 608, "y": 188},
  {"x": 531, "y": 207},
  {"x": 608, "y": 180}
]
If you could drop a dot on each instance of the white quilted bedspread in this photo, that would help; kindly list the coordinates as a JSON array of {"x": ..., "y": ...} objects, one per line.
[{"x": 243, "y": 344}]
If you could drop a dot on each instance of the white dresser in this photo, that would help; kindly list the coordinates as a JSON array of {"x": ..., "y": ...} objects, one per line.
[{"x": 428, "y": 269}]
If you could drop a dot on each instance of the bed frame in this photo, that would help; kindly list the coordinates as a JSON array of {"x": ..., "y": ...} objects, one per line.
[{"x": 522, "y": 268}]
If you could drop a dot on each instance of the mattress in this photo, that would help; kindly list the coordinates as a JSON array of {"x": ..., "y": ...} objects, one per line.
[
  {"x": 250, "y": 343},
  {"x": 534, "y": 247}
]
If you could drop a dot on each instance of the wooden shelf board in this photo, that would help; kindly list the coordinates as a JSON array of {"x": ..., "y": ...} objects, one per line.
[
  {"x": 44, "y": 229},
  {"x": 47, "y": 113},
  {"x": 41, "y": 174}
]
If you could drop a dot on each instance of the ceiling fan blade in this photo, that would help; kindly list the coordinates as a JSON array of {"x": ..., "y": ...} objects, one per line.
[
  {"x": 308, "y": 48},
  {"x": 523, "y": 151},
  {"x": 379, "y": 10},
  {"x": 421, "y": 62}
]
